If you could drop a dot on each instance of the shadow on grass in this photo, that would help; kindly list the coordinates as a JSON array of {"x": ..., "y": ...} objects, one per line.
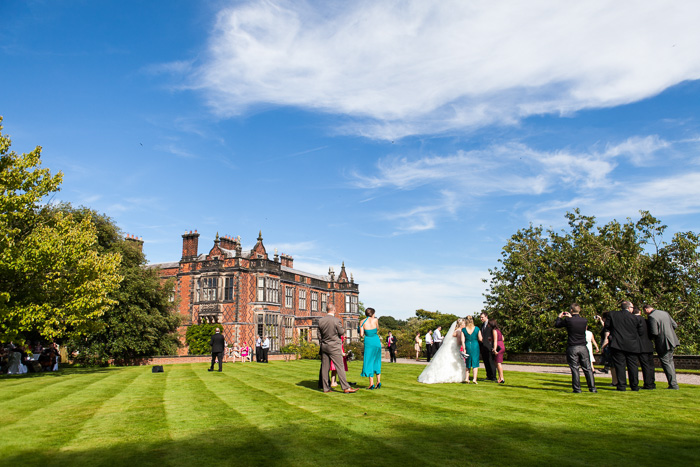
[
  {"x": 67, "y": 371},
  {"x": 309, "y": 384},
  {"x": 399, "y": 444}
]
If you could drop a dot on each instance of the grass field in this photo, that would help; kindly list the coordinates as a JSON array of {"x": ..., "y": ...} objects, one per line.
[{"x": 255, "y": 414}]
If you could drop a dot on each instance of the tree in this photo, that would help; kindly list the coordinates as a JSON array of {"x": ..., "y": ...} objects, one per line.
[
  {"x": 141, "y": 321},
  {"x": 53, "y": 282},
  {"x": 542, "y": 273}
]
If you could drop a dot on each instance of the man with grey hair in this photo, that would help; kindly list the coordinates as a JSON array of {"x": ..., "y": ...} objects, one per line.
[
  {"x": 625, "y": 331},
  {"x": 330, "y": 331},
  {"x": 663, "y": 330}
]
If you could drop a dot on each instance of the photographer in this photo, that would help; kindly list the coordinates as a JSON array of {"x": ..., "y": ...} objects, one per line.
[{"x": 576, "y": 351}]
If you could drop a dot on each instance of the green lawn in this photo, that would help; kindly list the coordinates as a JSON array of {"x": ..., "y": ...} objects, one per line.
[{"x": 255, "y": 414}]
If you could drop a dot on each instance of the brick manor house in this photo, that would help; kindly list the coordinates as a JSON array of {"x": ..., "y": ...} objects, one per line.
[{"x": 248, "y": 293}]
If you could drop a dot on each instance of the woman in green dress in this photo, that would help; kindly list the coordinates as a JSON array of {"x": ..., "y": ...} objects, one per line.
[
  {"x": 372, "y": 360},
  {"x": 471, "y": 337}
]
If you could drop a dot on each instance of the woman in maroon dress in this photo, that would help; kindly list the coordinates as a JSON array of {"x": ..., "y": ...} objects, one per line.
[{"x": 499, "y": 348}]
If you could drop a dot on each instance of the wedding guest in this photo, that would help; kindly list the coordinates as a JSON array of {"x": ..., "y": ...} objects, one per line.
[
  {"x": 471, "y": 340},
  {"x": 499, "y": 349},
  {"x": 258, "y": 349},
  {"x": 590, "y": 342},
  {"x": 429, "y": 344},
  {"x": 330, "y": 331},
  {"x": 487, "y": 346},
  {"x": 245, "y": 352},
  {"x": 218, "y": 343},
  {"x": 576, "y": 352},
  {"x": 372, "y": 362},
  {"x": 418, "y": 344},
  {"x": 663, "y": 329},
  {"x": 625, "y": 331},
  {"x": 391, "y": 345},
  {"x": 334, "y": 372},
  {"x": 437, "y": 339},
  {"x": 235, "y": 352},
  {"x": 646, "y": 353},
  {"x": 605, "y": 348},
  {"x": 265, "y": 346}
]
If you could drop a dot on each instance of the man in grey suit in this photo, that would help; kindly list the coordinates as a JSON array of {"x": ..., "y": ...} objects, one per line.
[
  {"x": 663, "y": 328},
  {"x": 331, "y": 329}
]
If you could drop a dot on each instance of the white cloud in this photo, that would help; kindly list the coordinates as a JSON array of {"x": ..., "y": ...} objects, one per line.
[{"x": 411, "y": 67}]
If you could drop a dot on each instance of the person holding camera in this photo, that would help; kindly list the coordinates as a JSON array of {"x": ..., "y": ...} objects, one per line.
[{"x": 576, "y": 351}]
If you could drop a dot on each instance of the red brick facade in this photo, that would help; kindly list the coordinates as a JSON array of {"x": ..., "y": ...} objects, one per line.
[{"x": 249, "y": 293}]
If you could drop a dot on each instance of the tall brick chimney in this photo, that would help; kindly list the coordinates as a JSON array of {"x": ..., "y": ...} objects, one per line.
[
  {"x": 228, "y": 242},
  {"x": 190, "y": 243},
  {"x": 136, "y": 241},
  {"x": 287, "y": 260}
]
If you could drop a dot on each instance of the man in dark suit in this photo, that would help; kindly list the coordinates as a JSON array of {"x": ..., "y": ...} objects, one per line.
[
  {"x": 576, "y": 350},
  {"x": 330, "y": 331},
  {"x": 663, "y": 329},
  {"x": 646, "y": 353},
  {"x": 487, "y": 348},
  {"x": 625, "y": 330},
  {"x": 218, "y": 343},
  {"x": 391, "y": 345}
]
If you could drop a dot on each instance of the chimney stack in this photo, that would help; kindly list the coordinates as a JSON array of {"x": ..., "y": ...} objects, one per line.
[
  {"x": 136, "y": 241},
  {"x": 190, "y": 244}
]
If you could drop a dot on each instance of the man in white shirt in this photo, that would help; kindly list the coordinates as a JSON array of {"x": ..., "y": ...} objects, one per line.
[
  {"x": 428, "y": 344},
  {"x": 265, "y": 348},
  {"x": 437, "y": 339}
]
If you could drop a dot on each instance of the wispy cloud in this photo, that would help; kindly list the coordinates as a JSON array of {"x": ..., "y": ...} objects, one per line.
[{"x": 400, "y": 68}]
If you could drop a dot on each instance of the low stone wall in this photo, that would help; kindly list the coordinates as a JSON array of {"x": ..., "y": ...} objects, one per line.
[
  {"x": 171, "y": 359},
  {"x": 682, "y": 362}
]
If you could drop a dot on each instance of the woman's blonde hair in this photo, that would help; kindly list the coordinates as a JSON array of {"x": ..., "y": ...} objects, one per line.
[
  {"x": 470, "y": 320},
  {"x": 460, "y": 323}
]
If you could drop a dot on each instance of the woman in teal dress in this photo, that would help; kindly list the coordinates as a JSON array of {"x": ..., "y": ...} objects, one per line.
[
  {"x": 472, "y": 338},
  {"x": 372, "y": 361}
]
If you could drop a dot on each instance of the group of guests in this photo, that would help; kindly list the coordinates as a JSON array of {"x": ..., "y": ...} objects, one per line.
[
  {"x": 16, "y": 360},
  {"x": 433, "y": 340},
  {"x": 629, "y": 340},
  {"x": 219, "y": 349}
]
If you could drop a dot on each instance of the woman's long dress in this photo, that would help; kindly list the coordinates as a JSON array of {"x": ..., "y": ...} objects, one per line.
[
  {"x": 471, "y": 344},
  {"x": 447, "y": 365},
  {"x": 372, "y": 361}
]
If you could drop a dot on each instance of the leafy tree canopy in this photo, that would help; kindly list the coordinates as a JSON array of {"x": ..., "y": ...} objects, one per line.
[
  {"x": 53, "y": 282},
  {"x": 542, "y": 272}
]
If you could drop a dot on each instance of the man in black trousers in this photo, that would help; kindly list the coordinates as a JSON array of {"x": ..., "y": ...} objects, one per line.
[
  {"x": 391, "y": 345},
  {"x": 576, "y": 350},
  {"x": 218, "y": 343},
  {"x": 646, "y": 353},
  {"x": 487, "y": 348},
  {"x": 625, "y": 330}
]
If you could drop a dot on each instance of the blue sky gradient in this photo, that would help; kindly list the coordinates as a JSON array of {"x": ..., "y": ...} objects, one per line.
[{"x": 408, "y": 139}]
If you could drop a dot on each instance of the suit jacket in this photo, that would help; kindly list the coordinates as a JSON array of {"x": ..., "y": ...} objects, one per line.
[
  {"x": 625, "y": 331},
  {"x": 393, "y": 342},
  {"x": 330, "y": 329},
  {"x": 576, "y": 327},
  {"x": 663, "y": 328},
  {"x": 487, "y": 336},
  {"x": 217, "y": 343},
  {"x": 645, "y": 345}
]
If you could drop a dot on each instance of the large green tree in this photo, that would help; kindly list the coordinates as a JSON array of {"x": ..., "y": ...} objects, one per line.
[
  {"x": 53, "y": 282},
  {"x": 141, "y": 321},
  {"x": 542, "y": 272}
]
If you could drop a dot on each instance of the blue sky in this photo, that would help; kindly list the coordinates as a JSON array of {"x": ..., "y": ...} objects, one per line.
[{"x": 408, "y": 139}]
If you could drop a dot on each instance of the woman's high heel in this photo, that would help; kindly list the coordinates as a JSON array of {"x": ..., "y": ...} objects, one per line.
[
  {"x": 379, "y": 385},
  {"x": 371, "y": 387}
]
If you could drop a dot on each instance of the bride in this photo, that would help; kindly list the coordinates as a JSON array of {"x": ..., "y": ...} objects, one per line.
[{"x": 447, "y": 366}]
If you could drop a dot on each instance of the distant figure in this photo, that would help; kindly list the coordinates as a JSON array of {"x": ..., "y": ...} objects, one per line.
[
  {"x": 265, "y": 346},
  {"x": 663, "y": 329},
  {"x": 372, "y": 362},
  {"x": 258, "y": 349},
  {"x": 576, "y": 351},
  {"x": 646, "y": 353},
  {"x": 437, "y": 339},
  {"x": 472, "y": 341},
  {"x": 330, "y": 330},
  {"x": 429, "y": 344},
  {"x": 590, "y": 342},
  {"x": 235, "y": 352},
  {"x": 334, "y": 370},
  {"x": 245, "y": 352},
  {"x": 418, "y": 344},
  {"x": 218, "y": 344},
  {"x": 391, "y": 345},
  {"x": 487, "y": 346},
  {"x": 625, "y": 330},
  {"x": 499, "y": 349}
]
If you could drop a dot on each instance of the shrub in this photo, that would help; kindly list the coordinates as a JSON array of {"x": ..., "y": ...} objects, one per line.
[{"x": 198, "y": 337}]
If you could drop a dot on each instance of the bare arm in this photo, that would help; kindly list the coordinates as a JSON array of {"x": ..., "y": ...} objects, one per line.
[{"x": 481, "y": 339}]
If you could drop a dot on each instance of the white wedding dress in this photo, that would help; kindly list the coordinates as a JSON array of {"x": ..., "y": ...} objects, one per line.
[{"x": 447, "y": 365}]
